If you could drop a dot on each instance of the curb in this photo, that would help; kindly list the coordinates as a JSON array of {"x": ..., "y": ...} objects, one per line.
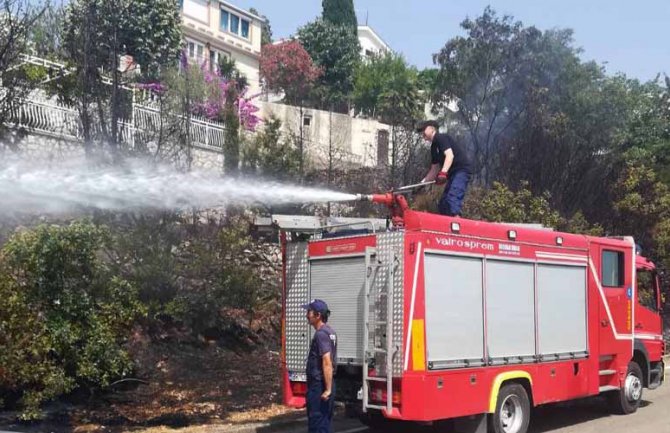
[
  {"x": 296, "y": 423},
  {"x": 262, "y": 427},
  {"x": 267, "y": 427}
]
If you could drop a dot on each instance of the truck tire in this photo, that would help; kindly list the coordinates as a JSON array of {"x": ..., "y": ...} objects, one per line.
[
  {"x": 512, "y": 413},
  {"x": 627, "y": 399}
]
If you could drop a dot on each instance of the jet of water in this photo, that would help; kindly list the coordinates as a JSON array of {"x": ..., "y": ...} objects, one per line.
[{"x": 26, "y": 188}]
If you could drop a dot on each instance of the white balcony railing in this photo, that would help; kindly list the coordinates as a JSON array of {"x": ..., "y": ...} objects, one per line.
[{"x": 48, "y": 117}]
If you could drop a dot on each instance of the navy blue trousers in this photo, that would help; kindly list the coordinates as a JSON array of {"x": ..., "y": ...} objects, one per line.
[
  {"x": 451, "y": 201},
  {"x": 319, "y": 412}
]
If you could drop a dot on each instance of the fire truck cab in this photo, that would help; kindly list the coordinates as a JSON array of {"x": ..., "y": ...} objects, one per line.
[{"x": 442, "y": 318}]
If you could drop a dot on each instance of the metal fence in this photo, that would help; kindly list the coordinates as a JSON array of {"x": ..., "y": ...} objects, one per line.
[
  {"x": 46, "y": 116},
  {"x": 204, "y": 133}
]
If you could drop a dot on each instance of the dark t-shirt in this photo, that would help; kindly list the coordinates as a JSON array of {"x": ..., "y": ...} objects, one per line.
[
  {"x": 324, "y": 341},
  {"x": 442, "y": 142}
]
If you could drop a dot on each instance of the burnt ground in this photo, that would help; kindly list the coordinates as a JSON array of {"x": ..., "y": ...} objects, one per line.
[{"x": 179, "y": 382}]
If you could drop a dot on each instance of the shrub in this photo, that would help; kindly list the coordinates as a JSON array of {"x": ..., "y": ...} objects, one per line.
[{"x": 64, "y": 316}]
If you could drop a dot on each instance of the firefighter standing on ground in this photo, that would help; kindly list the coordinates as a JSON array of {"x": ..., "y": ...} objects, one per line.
[
  {"x": 321, "y": 366},
  {"x": 450, "y": 165}
]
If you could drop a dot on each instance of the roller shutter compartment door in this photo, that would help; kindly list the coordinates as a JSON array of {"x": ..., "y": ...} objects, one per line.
[
  {"x": 454, "y": 323},
  {"x": 341, "y": 283}
]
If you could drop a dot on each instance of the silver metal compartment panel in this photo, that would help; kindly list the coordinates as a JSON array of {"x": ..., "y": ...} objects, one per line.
[
  {"x": 454, "y": 322},
  {"x": 510, "y": 309},
  {"x": 297, "y": 294},
  {"x": 561, "y": 309},
  {"x": 341, "y": 283}
]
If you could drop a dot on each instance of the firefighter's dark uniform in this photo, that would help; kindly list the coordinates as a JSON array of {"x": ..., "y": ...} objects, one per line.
[
  {"x": 320, "y": 412},
  {"x": 458, "y": 176}
]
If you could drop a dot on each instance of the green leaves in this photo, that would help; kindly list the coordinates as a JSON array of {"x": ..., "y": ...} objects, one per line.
[
  {"x": 148, "y": 30},
  {"x": 270, "y": 155},
  {"x": 388, "y": 89},
  {"x": 503, "y": 204},
  {"x": 340, "y": 13},
  {"x": 153, "y": 34},
  {"x": 65, "y": 315},
  {"x": 336, "y": 50},
  {"x": 642, "y": 208}
]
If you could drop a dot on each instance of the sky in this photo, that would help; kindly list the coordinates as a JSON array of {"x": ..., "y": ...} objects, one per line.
[{"x": 629, "y": 36}]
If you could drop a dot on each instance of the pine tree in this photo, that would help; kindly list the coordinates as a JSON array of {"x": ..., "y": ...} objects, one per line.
[{"x": 341, "y": 13}]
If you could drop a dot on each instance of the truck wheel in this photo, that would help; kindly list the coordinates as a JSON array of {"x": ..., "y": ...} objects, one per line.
[
  {"x": 628, "y": 398},
  {"x": 512, "y": 413}
]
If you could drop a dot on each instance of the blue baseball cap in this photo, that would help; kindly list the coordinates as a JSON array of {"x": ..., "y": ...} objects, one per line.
[{"x": 317, "y": 305}]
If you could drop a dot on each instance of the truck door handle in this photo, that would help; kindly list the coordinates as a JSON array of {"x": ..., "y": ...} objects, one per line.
[
  {"x": 639, "y": 326},
  {"x": 604, "y": 322}
]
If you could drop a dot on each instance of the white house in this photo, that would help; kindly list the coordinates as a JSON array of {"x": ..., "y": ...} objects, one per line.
[
  {"x": 215, "y": 29},
  {"x": 371, "y": 43},
  {"x": 351, "y": 141}
]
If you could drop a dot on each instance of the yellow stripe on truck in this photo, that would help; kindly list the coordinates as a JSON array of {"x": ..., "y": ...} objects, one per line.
[
  {"x": 502, "y": 378},
  {"x": 418, "y": 346}
]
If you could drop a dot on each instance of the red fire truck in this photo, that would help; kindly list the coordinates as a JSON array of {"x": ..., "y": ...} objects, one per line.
[{"x": 444, "y": 318}]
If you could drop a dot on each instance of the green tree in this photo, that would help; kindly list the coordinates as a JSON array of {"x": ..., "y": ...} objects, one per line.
[
  {"x": 270, "y": 155},
  {"x": 93, "y": 41},
  {"x": 641, "y": 205},
  {"x": 230, "y": 115},
  {"x": 428, "y": 80},
  {"x": 531, "y": 110},
  {"x": 17, "y": 18},
  {"x": 180, "y": 91},
  {"x": 648, "y": 131},
  {"x": 65, "y": 314},
  {"x": 97, "y": 34},
  {"x": 503, "y": 204},
  {"x": 47, "y": 32},
  {"x": 570, "y": 138},
  {"x": 388, "y": 89},
  {"x": 340, "y": 13},
  {"x": 152, "y": 34},
  {"x": 337, "y": 52},
  {"x": 484, "y": 73},
  {"x": 228, "y": 71}
]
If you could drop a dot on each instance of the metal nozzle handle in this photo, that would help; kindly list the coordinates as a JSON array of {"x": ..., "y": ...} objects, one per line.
[
  {"x": 411, "y": 187},
  {"x": 401, "y": 190}
]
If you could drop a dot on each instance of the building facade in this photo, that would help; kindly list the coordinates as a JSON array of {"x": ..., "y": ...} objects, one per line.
[
  {"x": 216, "y": 29},
  {"x": 371, "y": 43},
  {"x": 341, "y": 138}
]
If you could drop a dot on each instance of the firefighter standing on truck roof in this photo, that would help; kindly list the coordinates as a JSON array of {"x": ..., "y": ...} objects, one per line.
[
  {"x": 450, "y": 165},
  {"x": 321, "y": 366}
]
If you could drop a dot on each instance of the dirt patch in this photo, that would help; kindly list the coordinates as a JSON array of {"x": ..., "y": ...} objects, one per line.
[
  {"x": 189, "y": 384},
  {"x": 178, "y": 384}
]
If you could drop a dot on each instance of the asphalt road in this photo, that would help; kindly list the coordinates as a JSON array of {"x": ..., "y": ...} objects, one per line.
[{"x": 583, "y": 416}]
